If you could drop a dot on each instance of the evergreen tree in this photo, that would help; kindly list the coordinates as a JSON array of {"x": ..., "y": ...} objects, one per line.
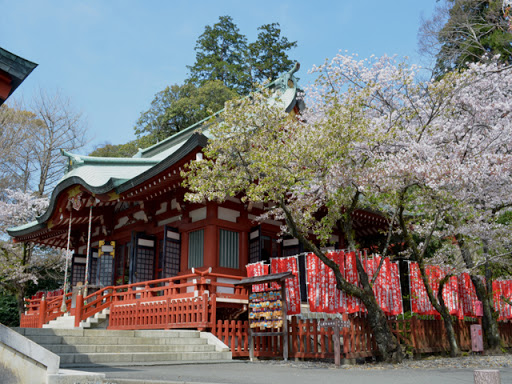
[
  {"x": 464, "y": 31},
  {"x": 221, "y": 55},
  {"x": 225, "y": 68},
  {"x": 178, "y": 107},
  {"x": 268, "y": 55}
]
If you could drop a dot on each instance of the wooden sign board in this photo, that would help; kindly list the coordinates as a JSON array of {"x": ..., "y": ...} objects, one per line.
[
  {"x": 334, "y": 323},
  {"x": 337, "y": 324}
]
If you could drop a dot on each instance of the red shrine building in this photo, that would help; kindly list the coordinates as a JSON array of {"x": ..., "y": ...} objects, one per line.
[{"x": 127, "y": 224}]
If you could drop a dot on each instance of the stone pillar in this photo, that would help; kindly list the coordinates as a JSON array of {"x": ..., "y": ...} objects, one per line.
[{"x": 487, "y": 376}]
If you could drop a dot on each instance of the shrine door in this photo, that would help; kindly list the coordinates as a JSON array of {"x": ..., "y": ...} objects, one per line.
[
  {"x": 142, "y": 261},
  {"x": 170, "y": 252}
]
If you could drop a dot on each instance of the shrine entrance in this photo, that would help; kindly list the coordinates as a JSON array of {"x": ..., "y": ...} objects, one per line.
[{"x": 142, "y": 260}]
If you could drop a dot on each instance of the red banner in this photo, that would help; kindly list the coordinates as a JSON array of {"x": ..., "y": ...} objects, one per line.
[
  {"x": 387, "y": 289},
  {"x": 396, "y": 291},
  {"x": 467, "y": 296},
  {"x": 453, "y": 295},
  {"x": 351, "y": 275},
  {"x": 502, "y": 288},
  {"x": 323, "y": 295},
  {"x": 257, "y": 269},
  {"x": 419, "y": 299},
  {"x": 289, "y": 264}
]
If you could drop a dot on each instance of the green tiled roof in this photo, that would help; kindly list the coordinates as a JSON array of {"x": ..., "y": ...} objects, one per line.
[{"x": 97, "y": 171}]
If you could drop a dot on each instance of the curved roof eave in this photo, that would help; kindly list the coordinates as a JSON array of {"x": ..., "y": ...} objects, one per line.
[
  {"x": 73, "y": 180},
  {"x": 196, "y": 139}
]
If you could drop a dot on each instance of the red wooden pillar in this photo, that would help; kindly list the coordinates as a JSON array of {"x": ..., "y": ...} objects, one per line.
[
  {"x": 184, "y": 251},
  {"x": 78, "y": 309},
  {"x": 211, "y": 247},
  {"x": 42, "y": 312},
  {"x": 245, "y": 224}
]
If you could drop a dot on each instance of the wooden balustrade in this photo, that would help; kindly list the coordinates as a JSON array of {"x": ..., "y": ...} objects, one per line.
[
  {"x": 41, "y": 311},
  {"x": 165, "y": 313},
  {"x": 180, "y": 295},
  {"x": 308, "y": 341}
]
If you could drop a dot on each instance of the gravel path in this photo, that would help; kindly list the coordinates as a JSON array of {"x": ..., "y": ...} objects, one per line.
[{"x": 432, "y": 362}]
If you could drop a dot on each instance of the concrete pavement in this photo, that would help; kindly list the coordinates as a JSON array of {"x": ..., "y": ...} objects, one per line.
[{"x": 261, "y": 372}]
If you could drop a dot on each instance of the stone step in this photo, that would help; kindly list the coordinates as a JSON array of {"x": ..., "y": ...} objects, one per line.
[
  {"x": 61, "y": 348},
  {"x": 77, "y": 360},
  {"x": 72, "y": 332},
  {"x": 108, "y": 333},
  {"x": 90, "y": 347},
  {"x": 98, "y": 340}
]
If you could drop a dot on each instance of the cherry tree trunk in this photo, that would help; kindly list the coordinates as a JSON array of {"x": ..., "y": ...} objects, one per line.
[
  {"x": 489, "y": 322},
  {"x": 385, "y": 339}
]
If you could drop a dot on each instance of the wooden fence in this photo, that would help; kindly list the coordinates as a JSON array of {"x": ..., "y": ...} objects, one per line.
[
  {"x": 195, "y": 312},
  {"x": 307, "y": 340}
]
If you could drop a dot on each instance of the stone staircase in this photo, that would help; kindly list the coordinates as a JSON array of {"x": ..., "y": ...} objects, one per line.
[
  {"x": 92, "y": 347},
  {"x": 66, "y": 321}
]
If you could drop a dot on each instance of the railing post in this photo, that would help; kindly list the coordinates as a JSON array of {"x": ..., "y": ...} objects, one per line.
[
  {"x": 204, "y": 315},
  {"x": 42, "y": 312},
  {"x": 79, "y": 308},
  {"x": 414, "y": 329},
  {"x": 214, "y": 310}
]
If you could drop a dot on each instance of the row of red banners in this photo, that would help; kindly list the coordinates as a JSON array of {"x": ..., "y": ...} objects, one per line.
[
  {"x": 459, "y": 293},
  {"x": 323, "y": 296}
]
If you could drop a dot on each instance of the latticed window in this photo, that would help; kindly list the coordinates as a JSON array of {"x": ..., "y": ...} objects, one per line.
[
  {"x": 228, "y": 248},
  {"x": 172, "y": 259},
  {"x": 106, "y": 270},
  {"x": 145, "y": 259},
  {"x": 78, "y": 269},
  {"x": 254, "y": 245},
  {"x": 93, "y": 267},
  {"x": 195, "y": 248}
]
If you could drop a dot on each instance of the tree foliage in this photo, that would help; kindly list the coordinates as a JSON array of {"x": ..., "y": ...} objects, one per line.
[
  {"x": 23, "y": 264},
  {"x": 221, "y": 55},
  {"x": 268, "y": 54},
  {"x": 225, "y": 68},
  {"x": 437, "y": 155},
  {"x": 32, "y": 137},
  {"x": 178, "y": 107},
  {"x": 16, "y": 147},
  {"x": 464, "y": 31}
]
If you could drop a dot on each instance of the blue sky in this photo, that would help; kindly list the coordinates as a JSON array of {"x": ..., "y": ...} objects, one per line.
[{"x": 111, "y": 57}]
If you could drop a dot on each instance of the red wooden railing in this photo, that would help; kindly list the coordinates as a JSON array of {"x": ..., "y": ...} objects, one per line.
[
  {"x": 306, "y": 340},
  {"x": 156, "y": 313},
  {"x": 186, "y": 301},
  {"x": 41, "y": 311}
]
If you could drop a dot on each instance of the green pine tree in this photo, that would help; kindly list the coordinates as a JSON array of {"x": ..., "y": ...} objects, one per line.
[
  {"x": 221, "y": 55},
  {"x": 268, "y": 55}
]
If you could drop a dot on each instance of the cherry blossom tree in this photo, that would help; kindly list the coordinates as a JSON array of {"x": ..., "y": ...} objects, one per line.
[
  {"x": 450, "y": 175},
  {"x": 435, "y": 155},
  {"x": 22, "y": 263},
  {"x": 310, "y": 174}
]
